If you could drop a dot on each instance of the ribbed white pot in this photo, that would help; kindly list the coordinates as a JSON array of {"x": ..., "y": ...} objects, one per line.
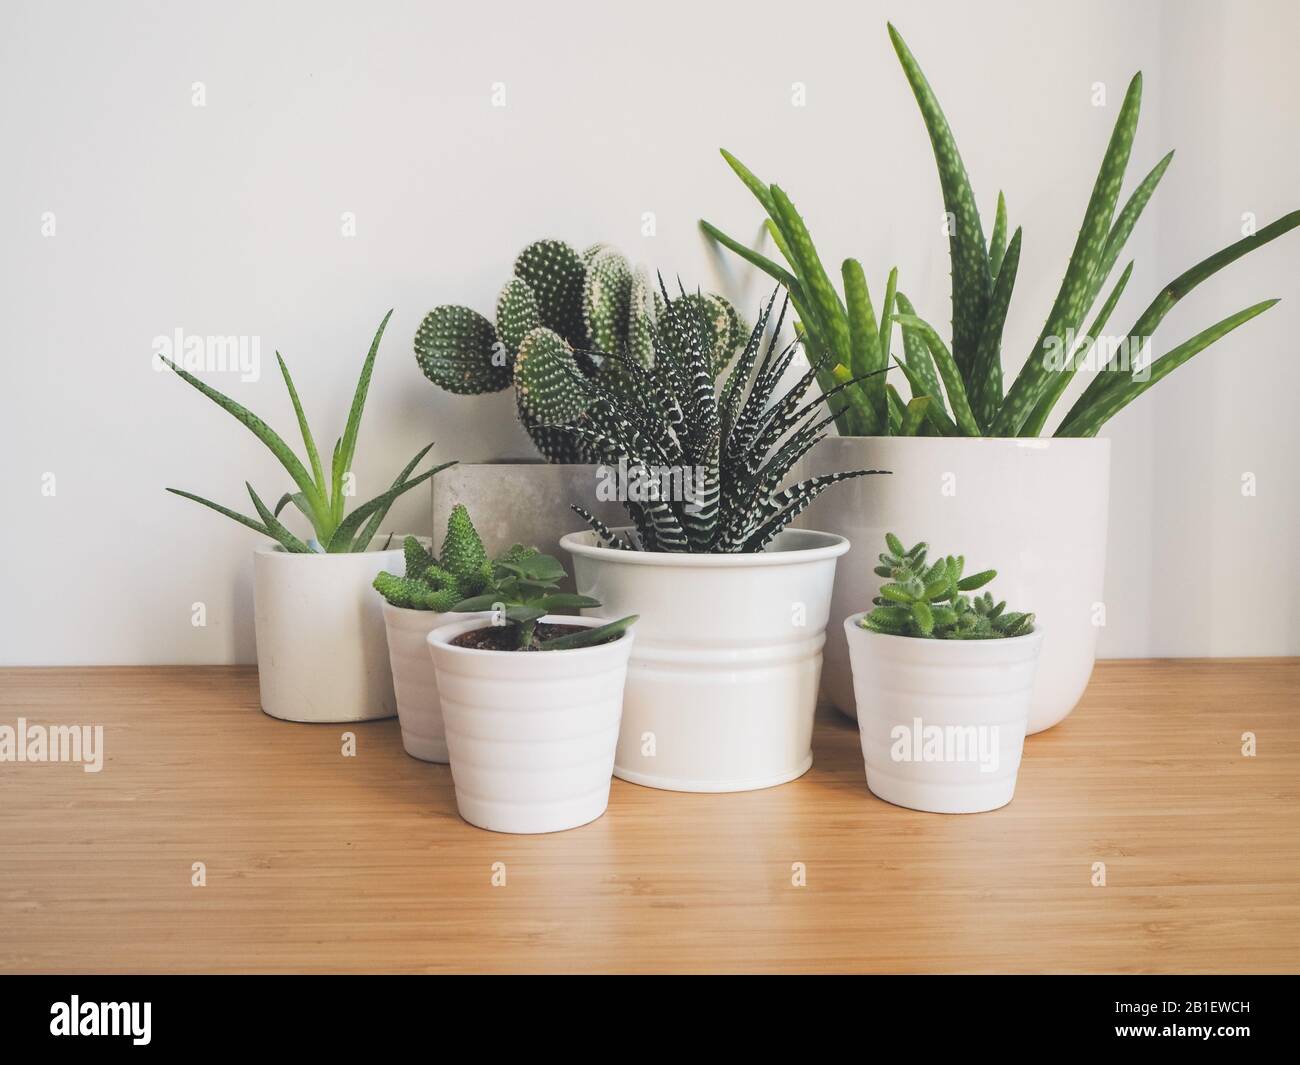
[
  {"x": 942, "y": 721},
  {"x": 1033, "y": 509},
  {"x": 415, "y": 682},
  {"x": 321, "y": 651},
  {"x": 531, "y": 734},
  {"x": 722, "y": 684}
]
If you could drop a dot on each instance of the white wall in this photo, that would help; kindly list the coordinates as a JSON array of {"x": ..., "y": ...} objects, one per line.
[{"x": 225, "y": 219}]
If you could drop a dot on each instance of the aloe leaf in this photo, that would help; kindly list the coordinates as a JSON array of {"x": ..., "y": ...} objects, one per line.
[
  {"x": 367, "y": 534},
  {"x": 998, "y": 241},
  {"x": 267, "y": 435},
  {"x": 972, "y": 281},
  {"x": 347, "y": 528},
  {"x": 1175, "y": 291},
  {"x": 273, "y": 526},
  {"x": 986, "y": 376},
  {"x": 895, "y": 408},
  {"x": 914, "y": 416},
  {"x": 864, "y": 340},
  {"x": 935, "y": 413},
  {"x": 919, "y": 361},
  {"x": 1061, "y": 382},
  {"x": 590, "y": 636},
  {"x": 759, "y": 188},
  {"x": 773, "y": 270},
  {"x": 233, "y": 515},
  {"x": 1089, "y": 249},
  {"x": 348, "y": 449},
  {"x": 825, "y": 302},
  {"x": 307, "y": 439},
  {"x": 1094, "y": 415},
  {"x": 887, "y": 317},
  {"x": 947, "y": 366}
]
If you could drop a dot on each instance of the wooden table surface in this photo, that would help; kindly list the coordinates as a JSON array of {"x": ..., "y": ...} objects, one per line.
[{"x": 319, "y": 862}]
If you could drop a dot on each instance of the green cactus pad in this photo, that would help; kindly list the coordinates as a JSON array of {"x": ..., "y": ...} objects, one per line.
[
  {"x": 458, "y": 350},
  {"x": 548, "y": 392},
  {"x": 605, "y": 301},
  {"x": 556, "y": 274},
  {"x": 413, "y": 594},
  {"x": 640, "y": 329},
  {"x": 517, "y": 314},
  {"x": 724, "y": 326},
  {"x": 462, "y": 550}
]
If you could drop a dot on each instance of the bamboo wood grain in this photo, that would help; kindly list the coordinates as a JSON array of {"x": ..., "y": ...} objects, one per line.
[{"x": 318, "y": 862}]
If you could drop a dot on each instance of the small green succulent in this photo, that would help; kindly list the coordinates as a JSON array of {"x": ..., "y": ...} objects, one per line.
[
  {"x": 925, "y": 601},
  {"x": 431, "y": 583},
  {"x": 522, "y": 589}
]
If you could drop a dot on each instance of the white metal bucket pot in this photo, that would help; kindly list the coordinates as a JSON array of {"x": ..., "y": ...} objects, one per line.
[
  {"x": 722, "y": 684},
  {"x": 321, "y": 651},
  {"x": 530, "y": 734},
  {"x": 1035, "y": 510},
  {"x": 942, "y": 721}
]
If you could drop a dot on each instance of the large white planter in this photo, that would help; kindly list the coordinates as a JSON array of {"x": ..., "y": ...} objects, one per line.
[
  {"x": 942, "y": 721},
  {"x": 531, "y": 734},
  {"x": 415, "y": 682},
  {"x": 521, "y": 502},
  {"x": 321, "y": 651},
  {"x": 722, "y": 685},
  {"x": 1033, "y": 509}
]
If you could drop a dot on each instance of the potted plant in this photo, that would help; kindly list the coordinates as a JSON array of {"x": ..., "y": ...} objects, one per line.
[
  {"x": 723, "y": 679},
  {"x": 977, "y": 454},
  {"x": 416, "y": 603},
  {"x": 559, "y": 311},
  {"x": 320, "y": 633},
  {"x": 944, "y": 684},
  {"x": 531, "y": 701}
]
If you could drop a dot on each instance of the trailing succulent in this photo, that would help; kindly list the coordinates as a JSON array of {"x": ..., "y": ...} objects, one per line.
[
  {"x": 319, "y": 499},
  {"x": 558, "y": 319},
  {"x": 522, "y": 588},
  {"x": 433, "y": 583},
  {"x": 983, "y": 276},
  {"x": 736, "y": 444},
  {"x": 927, "y": 601}
]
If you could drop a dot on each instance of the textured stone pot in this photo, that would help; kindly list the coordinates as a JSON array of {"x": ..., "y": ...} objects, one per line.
[
  {"x": 523, "y": 502},
  {"x": 1033, "y": 509}
]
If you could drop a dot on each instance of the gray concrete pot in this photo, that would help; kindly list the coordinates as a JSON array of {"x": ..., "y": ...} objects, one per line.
[{"x": 521, "y": 502}]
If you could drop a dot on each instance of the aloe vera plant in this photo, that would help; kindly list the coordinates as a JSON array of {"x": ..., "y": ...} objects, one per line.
[
  {"x": 738, "y": 442},
  {"x": 320, "y": 498},
  {"x": 956, "y": 388},
  {"x": 926, "y": 601}
]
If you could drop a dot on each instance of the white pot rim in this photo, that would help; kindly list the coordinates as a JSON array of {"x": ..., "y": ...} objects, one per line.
[
  {"x": 445, "y": 633},
  {"x": 804, "y": 545},
  {"x": 952, "y": 648},
  {"x": 273, "y": 549},
  {"x": 1006, "y": 443}
]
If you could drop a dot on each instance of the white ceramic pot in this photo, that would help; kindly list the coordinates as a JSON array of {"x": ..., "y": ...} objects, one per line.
[
  {"x": 415, "y": 682},
  {"x": 531, "y": 734},
  {"x": 942, "y": 721},
  {"x": 722, "y": 684},
  {"x": 1033, "y": 509},
  {"x": 521, "y": 502},
  {"x": 321, "y": 651}
]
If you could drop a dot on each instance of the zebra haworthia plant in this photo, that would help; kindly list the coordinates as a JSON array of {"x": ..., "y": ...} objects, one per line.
[
  {"x": 736, "y": 444},
  {"x": 319, "y": 498},
  {"x": 557, "y": 319},
  {"x": 983, "y": 277},
  {"x": 926, "y": 601}
]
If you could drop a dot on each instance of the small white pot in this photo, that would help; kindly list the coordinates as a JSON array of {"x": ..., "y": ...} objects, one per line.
[
  {"x": 415, "y": 682},
  {"x": 531, "y": 734},
  {"x": 321, "y": 652},
  {"x": 942, "y": 721},
  {"x": 722, "y": 685},
  {"x": 1032, "y": 509}
]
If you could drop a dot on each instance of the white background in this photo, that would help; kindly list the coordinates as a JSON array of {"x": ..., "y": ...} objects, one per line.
[{"x": 225, "y": 219}]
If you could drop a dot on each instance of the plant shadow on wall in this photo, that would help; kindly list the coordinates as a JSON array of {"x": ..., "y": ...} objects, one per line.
[
  {"x": 957, "y": 387},
  {"x": 556, "y": 318}
]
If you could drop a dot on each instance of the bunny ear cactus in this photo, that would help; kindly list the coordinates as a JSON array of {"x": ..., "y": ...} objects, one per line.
[
  {"x": 431, "y": 584},
  {"x": 563, "y": 317},
  {"x": 711, "y": 462},
  {"x": 957, "y": 386},
  {"x": 926, "y": 601}
]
